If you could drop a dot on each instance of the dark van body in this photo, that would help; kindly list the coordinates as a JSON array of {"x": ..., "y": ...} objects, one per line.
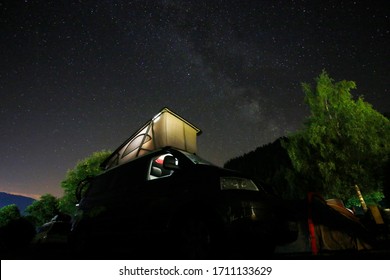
[{"x": 172, "y": 204}]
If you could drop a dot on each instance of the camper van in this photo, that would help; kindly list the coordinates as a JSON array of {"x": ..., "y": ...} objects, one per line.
[{"x": 167, "y": 202}]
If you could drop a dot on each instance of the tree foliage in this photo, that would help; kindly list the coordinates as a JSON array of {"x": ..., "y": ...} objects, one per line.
[
  {"x": 370, "y": 199},
  {"x": 16, "y": 232},
  {"x": 345, "y": 142},
  {"x": 9, "y": 213},
  {"x": 43, "y": 210},
  {"x": 85, "y": 168}
]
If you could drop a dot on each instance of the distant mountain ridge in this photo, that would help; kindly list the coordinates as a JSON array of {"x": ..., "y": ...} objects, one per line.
[{"x": 21, "y": 201}]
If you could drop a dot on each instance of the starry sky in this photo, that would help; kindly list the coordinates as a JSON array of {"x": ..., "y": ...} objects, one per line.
[{"x": 81, "y": 76}]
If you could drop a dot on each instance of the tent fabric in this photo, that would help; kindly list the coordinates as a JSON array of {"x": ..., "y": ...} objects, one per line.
[
  {"x": 165, "y": 129},
  {"x": 336, "y": 228},
  {"x": 331, "y": 239},
  {"x": 326, "y": 226}
]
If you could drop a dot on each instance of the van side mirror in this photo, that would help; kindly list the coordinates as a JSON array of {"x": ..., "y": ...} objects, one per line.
[
  {"x": 171, "y": 163},
  {"x": 82, "y": 187}
]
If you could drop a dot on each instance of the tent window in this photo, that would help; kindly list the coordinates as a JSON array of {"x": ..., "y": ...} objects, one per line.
[{"x": 136, "y": 143}]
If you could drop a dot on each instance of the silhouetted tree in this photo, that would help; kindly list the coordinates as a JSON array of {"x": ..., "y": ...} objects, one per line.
[
  {"x": 16, "y": 232},
  {"x": 15, "y": 238},
  {"x": 268, "y": 166}
]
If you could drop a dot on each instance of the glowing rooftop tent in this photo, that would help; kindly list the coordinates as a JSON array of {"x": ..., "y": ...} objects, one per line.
[{"x": 164, "y": 129}]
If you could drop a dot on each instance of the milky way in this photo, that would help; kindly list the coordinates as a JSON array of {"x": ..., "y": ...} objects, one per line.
[{"x": 81, "y": 76}]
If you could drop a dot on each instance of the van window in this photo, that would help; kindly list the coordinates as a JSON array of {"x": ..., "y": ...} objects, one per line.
[{"x": 156, "y": 168}]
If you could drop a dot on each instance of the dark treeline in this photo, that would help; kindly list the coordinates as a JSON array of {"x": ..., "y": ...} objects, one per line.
[{"x": 270, "y": 167}]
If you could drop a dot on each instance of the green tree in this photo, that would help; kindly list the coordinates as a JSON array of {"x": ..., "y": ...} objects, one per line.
[
  {"x": 345, "y": 142},
  {"x": 43, "y": 210},
  {"x": 9, "y": 213},
  {"x": 85, "y": 168}
]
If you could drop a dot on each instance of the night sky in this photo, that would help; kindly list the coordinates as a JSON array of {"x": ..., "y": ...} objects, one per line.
[{"x": 81, "y": 76}]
